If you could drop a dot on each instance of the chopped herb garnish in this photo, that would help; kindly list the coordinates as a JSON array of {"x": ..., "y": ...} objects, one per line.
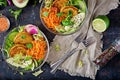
[
  {"x": 60, "y": 14},
  {"x": 69, "y": 14},
  {"x": 85, "y": 51},
  {"x": 80, "y": 63},
  {"x": 67, "y": 22},
  {"x": 45, "y": 14},
  {"x": 29, "y": 45},
  {"x": 23, "y": 36},
  {"x": 57, "y": 47}
]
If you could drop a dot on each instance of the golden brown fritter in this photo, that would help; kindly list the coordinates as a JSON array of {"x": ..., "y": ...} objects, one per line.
[
  {"x": 60, "y": 3},
  {"x": 23, "y": 38},
  {"x": 66, "y": 9},
  {"x": 17, "y": 49}
]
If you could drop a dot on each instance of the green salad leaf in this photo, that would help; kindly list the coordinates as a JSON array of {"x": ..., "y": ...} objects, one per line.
[
  {"x": 21, "y": 28},
  {"x": 22, "y": 61},
  {"x": 40, "y": 61},
  {"x": 15, "y": 13},
  {"x": 67, "y": 21},
  {"x": 17, "y": 58},
  {"x": 27, "y": 58},
  {"x": 3, "y": 2},
  {"x": 31, "y": 66}
]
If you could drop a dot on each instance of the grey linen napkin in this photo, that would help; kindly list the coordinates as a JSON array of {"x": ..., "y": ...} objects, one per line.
[{"x": 81, "y": 64}]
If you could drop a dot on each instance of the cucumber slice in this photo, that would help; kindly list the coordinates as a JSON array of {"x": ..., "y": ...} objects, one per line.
[
  {"x": 33, "y": 66},
  {"x": 30, "y": 67},
  {"x": 28, "y": 62},
  {"x": 35, "y": 62}
]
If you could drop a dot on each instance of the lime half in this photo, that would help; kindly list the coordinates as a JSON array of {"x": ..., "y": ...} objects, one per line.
[{"x": 101, "y": 23}]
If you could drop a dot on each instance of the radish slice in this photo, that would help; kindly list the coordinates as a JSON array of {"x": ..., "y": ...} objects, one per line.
[{"x": 32, "y": 29}]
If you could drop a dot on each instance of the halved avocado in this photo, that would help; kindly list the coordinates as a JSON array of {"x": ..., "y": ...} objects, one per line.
[{"x": 20, "y": 3}]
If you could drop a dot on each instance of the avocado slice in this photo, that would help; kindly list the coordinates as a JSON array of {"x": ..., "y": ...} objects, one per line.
[
  {"x": 81, "y": 4},
  {"x": 12, "y": 36},
  {"x": 20, "y": 3}
]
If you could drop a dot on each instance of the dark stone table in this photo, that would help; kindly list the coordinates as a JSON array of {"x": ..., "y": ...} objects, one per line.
[{"x": 30, "y": 15}]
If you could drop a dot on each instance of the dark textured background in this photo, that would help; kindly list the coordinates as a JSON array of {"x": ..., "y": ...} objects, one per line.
[{"x": 30, "y": 15}]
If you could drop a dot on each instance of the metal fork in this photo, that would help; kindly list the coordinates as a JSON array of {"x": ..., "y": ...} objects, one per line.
[{"x": 75, "y": 45}]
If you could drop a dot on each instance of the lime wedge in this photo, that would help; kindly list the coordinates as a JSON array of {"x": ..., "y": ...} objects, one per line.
[{"x": 100, "y": 23}]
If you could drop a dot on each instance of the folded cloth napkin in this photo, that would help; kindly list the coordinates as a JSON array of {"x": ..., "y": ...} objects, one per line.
[{"x": 81, "y": 64}]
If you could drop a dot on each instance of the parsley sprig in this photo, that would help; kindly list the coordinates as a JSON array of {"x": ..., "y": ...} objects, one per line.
[{"x": 15, "y": 13}]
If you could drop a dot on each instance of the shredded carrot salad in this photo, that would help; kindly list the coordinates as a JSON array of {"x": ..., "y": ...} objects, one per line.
[
  {"x": 38, "y": 50},
  {"x": 52, "y": 19}
]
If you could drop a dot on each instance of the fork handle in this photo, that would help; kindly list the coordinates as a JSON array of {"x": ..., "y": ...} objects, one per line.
[
  {"x": 63, "y": 57},
  {"x": 55, "y": 65}
]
